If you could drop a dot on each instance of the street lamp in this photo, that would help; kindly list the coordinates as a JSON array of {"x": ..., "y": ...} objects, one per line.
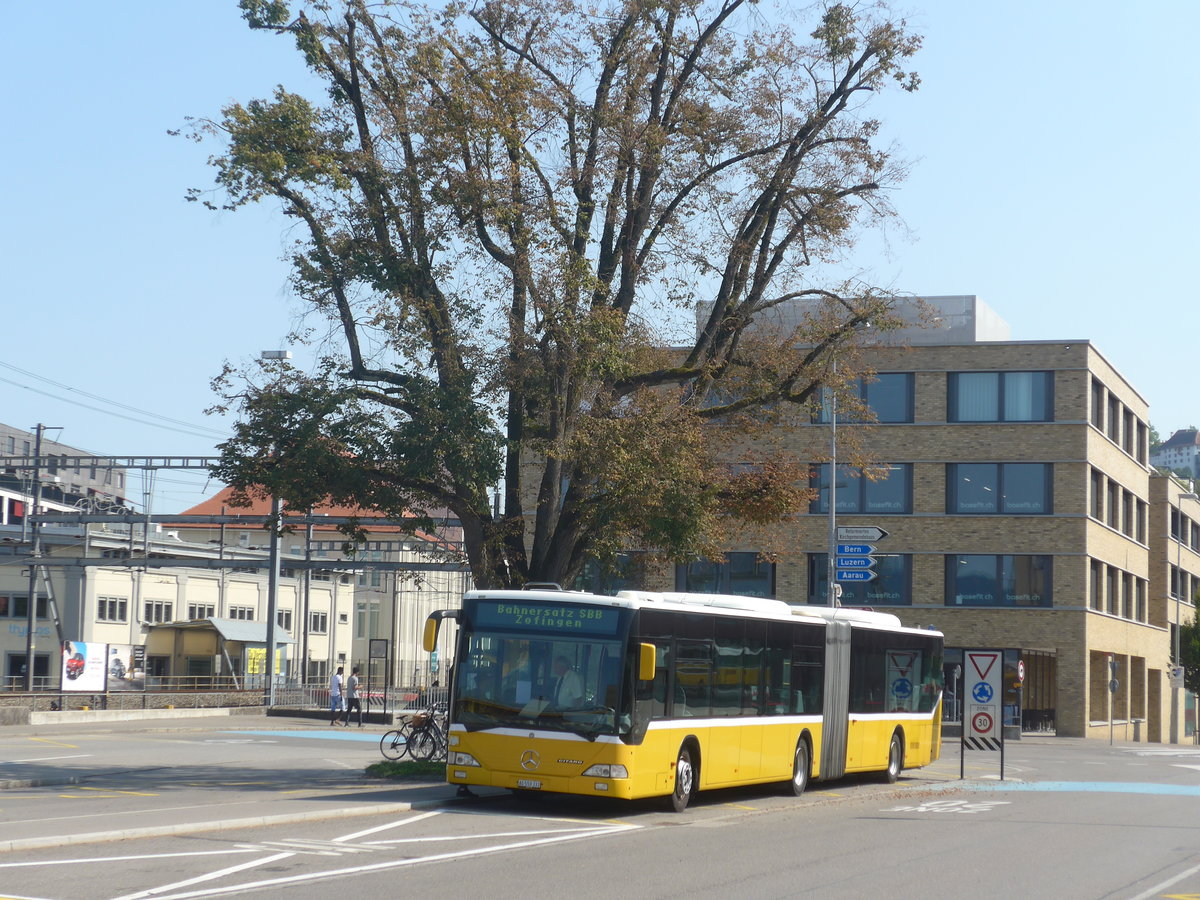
[{"x": 1177, "y": 634}]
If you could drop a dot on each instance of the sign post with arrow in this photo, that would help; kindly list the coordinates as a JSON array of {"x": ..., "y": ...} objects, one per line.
[{"x": 854, "y": 560}]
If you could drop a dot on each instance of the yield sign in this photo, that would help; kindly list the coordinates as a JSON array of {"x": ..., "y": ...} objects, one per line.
[
  {"x": 902, "y": 662},
  {"x": 982, "y": 662}
]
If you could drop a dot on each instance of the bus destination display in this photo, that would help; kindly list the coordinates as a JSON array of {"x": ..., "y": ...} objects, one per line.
[{"x": 567, "y": 618}]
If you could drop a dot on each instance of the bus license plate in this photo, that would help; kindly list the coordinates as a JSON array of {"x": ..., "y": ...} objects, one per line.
[{"x": 529, "y": 783}]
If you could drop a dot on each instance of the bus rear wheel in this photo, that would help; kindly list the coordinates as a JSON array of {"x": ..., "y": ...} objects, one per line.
[
  {"x": 800, "y": 769},
  {"x": 685, "y": 781},
  {"x": 895, "y": 759}
]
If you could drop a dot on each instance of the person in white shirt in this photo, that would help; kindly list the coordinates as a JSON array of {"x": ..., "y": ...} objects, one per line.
[
  {"x": 335, "y": 696},
  {"x": 568, "y": 689}
]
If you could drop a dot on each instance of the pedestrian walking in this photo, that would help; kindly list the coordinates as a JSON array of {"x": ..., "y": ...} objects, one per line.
[
  {"x": 352, "y": 701},
  {"x": 335, "y": 695}
]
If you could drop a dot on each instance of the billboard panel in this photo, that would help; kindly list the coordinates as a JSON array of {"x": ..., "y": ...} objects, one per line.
[
  {"x": 84, "y": 666},
  {"x": 126, "y": 667}
]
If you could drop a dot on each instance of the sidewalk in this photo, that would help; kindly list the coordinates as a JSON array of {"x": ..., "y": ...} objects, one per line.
[{"x": 116, "y": 798}]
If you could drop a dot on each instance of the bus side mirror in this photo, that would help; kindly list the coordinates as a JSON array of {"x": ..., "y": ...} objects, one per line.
[
  {"x": 646, "y": 663},
  {"x": 429, "y": 638}
]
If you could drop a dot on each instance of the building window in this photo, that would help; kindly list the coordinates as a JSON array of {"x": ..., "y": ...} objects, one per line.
[
  {"x": 17, "y": 607},
  {"x": 999, "y": 488},
  {"x": 1114, "y": 420},
  {"x": 625, "y": 572},
  {"x": 1002, "y": 580},
  {"x": 283, "y": 618},
  {"x": 889, "y": 396},
  {"x": 318, "y": 622},
  {"x": 158, "y": 611},
  {"x": 879, "y": 489},
  {"x": 1000, "y": 397},
  {"x": 112, "y": 609},
  {"x": 1097, "y": 404},
  {"x": 1097, "y": 497},
  {"x": 740, "y": 573},
  {"x": 1096, "y": 595},
  {"x": 201, "y": 611},
  {"x": 891, "y": 586},
  {"x": 245, "y": 613}
]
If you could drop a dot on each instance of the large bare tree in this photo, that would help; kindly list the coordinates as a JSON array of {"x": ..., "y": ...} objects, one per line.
[{"x": 549, "y": 239}]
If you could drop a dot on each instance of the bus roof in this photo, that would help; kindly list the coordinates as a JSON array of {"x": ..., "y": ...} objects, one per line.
[{"x": 719, "y": 604}]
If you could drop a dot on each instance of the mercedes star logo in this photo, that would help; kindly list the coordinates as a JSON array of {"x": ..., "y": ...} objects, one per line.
[{"x": 530, "y": 760}]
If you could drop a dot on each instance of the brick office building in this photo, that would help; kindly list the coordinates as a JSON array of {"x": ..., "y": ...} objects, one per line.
[{"x": 1021, "y": 514}]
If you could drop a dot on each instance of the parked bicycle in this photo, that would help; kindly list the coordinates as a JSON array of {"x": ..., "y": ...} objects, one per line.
[
  {"x": 394, "y": 744},
  {"x": 422, "y": 736},
  {"x": 427, "y": 739}
]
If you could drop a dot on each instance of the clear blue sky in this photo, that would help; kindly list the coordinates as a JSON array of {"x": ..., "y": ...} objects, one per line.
[{"x": 1054, "y": 176}]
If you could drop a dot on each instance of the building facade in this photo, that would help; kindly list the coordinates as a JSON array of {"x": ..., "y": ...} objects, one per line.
[{"x": 1013, "y": 481}]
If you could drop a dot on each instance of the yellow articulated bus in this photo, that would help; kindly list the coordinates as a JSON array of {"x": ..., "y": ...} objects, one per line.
[{"x": 647, "y": 694}]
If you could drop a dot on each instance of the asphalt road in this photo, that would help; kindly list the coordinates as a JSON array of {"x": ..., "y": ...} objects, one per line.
[{"x": 252, "y": 809}]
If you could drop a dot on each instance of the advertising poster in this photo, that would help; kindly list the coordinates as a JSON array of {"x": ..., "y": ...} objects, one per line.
[
  {"x": 255, "y": 660},
  {"x": 84, "y": 666},
  {"x": 126, "y": 667}
]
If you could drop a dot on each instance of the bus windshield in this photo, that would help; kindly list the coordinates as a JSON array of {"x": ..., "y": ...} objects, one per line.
[{"x": 538, "y": 665}]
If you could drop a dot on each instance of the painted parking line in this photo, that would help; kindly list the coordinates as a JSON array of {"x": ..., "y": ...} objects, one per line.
[
  {"x": 343, "y": 735},
  {"x": 1085, "y": 787}
]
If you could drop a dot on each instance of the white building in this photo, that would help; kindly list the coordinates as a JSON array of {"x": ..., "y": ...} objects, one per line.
[{"x": 1180, "y": 451}]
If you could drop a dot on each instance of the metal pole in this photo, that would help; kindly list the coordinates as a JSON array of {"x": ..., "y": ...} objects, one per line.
[
  {"x": 272, "y": 597},
  {"x": 832, "y": 599},
  {"x": 35, "y": 552}
]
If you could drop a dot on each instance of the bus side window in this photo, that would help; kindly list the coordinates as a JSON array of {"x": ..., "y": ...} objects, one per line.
[
  {"x": 655, "y": 692},
  {"x": 778, "y": 671}
]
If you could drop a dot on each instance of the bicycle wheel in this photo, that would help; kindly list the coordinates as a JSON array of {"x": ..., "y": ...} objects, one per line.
[
  {"x": 394, "y": 744},
  {"x": 422, "y": 744}
]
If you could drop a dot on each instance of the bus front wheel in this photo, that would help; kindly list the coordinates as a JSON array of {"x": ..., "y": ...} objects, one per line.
[
  {"x": 800, "y": 769},
  {"x": 895, "y": 759},
  {"x": 685, "y": 781}
]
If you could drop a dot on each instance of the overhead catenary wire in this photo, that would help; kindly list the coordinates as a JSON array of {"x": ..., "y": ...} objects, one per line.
[{"x": 178, "y": 424}]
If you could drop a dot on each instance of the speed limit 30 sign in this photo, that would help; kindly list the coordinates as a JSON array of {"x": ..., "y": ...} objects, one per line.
[{"x": 984, "y": 688}]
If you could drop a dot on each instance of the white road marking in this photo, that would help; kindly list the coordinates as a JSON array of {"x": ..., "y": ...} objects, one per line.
[
  {"x": 382, "y": 866},
  {"x": 44, "y": 758},
  {"x": 100, "y": 859},
  {"x": 950, "y": 806},
  {"x": 1157, "y": 890}
]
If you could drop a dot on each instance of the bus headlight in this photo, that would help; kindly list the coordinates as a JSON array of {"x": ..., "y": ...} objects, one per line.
[
  {"x": 463, "y": 759},
  {"x": 601, "y": 770}
]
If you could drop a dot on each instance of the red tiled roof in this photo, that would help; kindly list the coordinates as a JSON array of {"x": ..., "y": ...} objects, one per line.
[{"x": 221, "y": 502}]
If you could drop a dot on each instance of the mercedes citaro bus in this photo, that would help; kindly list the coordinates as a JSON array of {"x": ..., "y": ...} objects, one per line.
[{"x": 674, "y": 693}]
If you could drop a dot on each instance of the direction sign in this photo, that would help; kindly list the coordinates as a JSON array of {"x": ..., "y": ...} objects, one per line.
[
  {"x": 869, "y": 533},
  {"x": 856, "y": 549},
  {"x": 855, "y": 575},
  {"x": 855, "y": 562}
]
